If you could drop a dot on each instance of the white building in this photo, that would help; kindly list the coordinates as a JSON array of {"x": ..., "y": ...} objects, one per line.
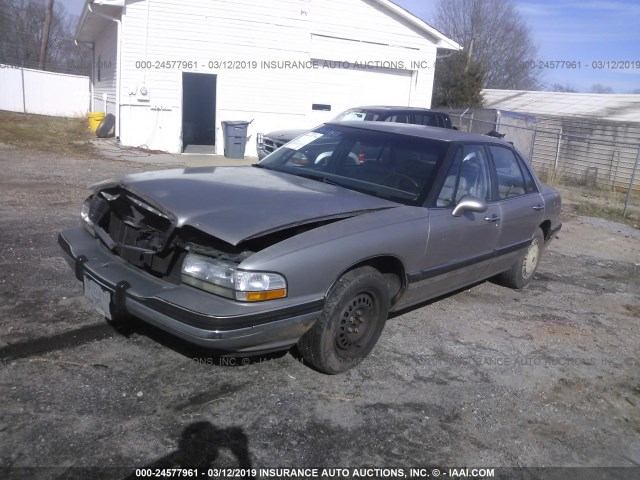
[
  {"x": 592, "y": 137},
  {"x": 171, "y": 71}
]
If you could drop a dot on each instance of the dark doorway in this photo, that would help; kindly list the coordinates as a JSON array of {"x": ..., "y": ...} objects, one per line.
[{"x": 198, "y": 112}]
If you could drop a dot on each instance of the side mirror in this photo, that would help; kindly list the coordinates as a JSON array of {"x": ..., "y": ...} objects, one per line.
[{"x": 469, "y": 203}]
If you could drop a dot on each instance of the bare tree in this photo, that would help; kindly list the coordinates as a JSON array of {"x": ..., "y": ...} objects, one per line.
[
  {"x": 44, "y": 43},
  {"x": 21, "y": 37},
  {"x": 495, "y": 36},
  {"x": 600, "y": 88},
  {"x": 5, "y": 22}
]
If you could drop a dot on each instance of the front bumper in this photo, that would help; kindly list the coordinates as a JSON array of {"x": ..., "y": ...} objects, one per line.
[
  {"x": 196, "y": 316},
  {"x": 261, "y": 152}
]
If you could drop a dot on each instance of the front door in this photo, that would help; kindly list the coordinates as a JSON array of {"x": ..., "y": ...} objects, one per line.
[{"x": 459, "y": 248}]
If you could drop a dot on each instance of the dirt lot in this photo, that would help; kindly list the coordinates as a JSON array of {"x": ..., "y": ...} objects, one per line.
[{"x": 547, "y": 376}]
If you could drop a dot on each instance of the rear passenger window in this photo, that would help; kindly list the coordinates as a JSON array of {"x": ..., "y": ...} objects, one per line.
[
  {"x": 529, "y": 183},
  {"x": 511, "y": 182},
  {"x": 428, "y": 120}
]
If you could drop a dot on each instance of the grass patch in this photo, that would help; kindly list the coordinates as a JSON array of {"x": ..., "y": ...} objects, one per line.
[
  {"x": 67, "y": 136},
  {"x": 552, "y": 176},
  {"x": 593, "y": 200},
  {"x": 601, "y": 202}
]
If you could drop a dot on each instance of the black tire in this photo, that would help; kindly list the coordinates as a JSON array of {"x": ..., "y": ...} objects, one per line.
[
  {"x": 354, "y": 315},
  {"x": 522, "y": 270}
]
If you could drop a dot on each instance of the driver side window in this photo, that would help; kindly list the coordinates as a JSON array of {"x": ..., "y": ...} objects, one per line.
[{"x": 467, "y": 175}]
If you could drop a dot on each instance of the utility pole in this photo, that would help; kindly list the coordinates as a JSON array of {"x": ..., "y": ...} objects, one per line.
[{"x": 45, "y": 36}]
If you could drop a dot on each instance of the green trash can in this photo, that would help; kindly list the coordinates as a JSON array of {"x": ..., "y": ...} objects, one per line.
[{"x": 235, "y": 138}]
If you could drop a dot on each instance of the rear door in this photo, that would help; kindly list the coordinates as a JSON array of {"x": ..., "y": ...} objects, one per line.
[{"x": 521, "y": 205}]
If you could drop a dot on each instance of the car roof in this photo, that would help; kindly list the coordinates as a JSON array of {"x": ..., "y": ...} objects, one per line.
[
  {"x": 391, "y": 108},
  {"x": 421, "y": 131}
]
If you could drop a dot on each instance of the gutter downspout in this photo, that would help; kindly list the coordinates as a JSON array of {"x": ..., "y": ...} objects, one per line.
[
  {"x": 90, "y": 46},
  {"x": 118, "y": 61}
]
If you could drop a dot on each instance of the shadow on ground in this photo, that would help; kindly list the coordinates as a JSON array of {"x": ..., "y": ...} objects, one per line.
[{"x": 199, "y": 448}]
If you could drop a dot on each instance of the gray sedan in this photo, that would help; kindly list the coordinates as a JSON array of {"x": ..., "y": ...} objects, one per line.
[{"x": 315, "y": 245}]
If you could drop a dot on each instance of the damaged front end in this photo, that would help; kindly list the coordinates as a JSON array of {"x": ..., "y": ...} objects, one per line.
[
  {"x": 133, "y": 259},
  {"x": 132, "y": 229},
  {"x": 147, "y": 238}
]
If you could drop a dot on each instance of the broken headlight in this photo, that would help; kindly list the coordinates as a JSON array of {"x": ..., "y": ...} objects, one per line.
[
  {"x": 85, "y": 216},
  {"x": 94, "y": 209},
  {"x": 224, "y": 279}
]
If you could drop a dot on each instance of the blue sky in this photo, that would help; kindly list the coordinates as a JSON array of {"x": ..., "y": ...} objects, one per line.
[
  {"x": 582, "y": 31},
  {"x": 72, "y": 6}
]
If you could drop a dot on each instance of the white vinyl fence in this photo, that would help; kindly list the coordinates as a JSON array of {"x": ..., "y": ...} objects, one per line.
[{"x": 46, "y": 93}]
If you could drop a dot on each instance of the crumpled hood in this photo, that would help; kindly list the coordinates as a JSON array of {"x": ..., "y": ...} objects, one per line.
[{"x": 239, "y": 203}]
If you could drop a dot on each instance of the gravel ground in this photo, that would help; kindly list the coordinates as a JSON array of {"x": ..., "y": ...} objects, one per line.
[{"x": 546, "y": 376}]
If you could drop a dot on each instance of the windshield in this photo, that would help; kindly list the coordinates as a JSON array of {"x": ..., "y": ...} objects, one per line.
[
  {"x": 355, "y": 114},
  {"x": 391, "y": 166}
]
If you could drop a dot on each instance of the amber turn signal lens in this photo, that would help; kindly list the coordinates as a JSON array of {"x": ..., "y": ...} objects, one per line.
[{"x": 261, "y": 296}]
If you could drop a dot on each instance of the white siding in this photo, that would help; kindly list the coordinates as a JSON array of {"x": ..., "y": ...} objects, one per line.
[
  {"x": 44, "y": 93},
  {"x": 206, "y": 31},
  {"x": 105, "y": 70}
]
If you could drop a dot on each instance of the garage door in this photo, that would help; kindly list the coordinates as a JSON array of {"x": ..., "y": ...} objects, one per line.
[{"x": 343, "y": 88}]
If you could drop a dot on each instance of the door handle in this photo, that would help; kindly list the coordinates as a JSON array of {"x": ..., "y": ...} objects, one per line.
[
  {"x": 538, "y": 207},
  {"x": 494, "y": 218}
]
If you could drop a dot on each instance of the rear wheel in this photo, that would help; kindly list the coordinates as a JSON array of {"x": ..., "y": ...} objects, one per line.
[
  {"x": 522, "y": 270},
  {"x": 354, "y": 315}
]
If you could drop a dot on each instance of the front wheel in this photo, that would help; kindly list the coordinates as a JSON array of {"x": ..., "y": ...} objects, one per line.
[
  {"x": 521, "y": 272},
  {"x": 351, "y": 322}
]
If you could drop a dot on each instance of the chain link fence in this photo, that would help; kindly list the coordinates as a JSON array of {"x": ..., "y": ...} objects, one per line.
[
  {"x": 590, "y": 168},
  {"x": 517, "y": 129}
]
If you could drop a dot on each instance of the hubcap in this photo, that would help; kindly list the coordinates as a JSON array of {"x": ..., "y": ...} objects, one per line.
[
  {"x": 531, "y": 259},
  {"x": 354, "y": 322}
]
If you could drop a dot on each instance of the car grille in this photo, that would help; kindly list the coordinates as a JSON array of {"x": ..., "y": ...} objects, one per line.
[{"x": 269, "y": 145}]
